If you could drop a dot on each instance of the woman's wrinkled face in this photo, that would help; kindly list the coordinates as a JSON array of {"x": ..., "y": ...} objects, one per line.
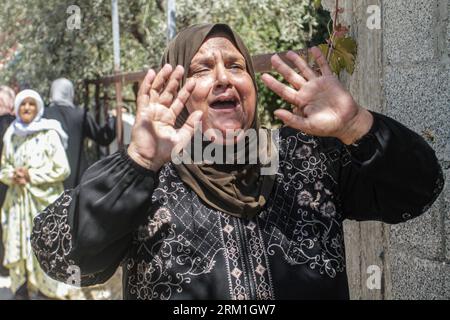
[
  {"x": 28, "y": 110},
  {"x": 224, "y": 90}
]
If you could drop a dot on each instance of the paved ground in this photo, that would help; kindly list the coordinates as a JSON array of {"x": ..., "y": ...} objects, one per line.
[
  {"x": 5, "y": 293},
  {"x": 112, "y": 290}
]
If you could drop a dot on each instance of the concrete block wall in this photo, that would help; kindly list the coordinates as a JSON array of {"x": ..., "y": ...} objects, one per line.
[
  {"x": 403, "y": 70},
  {"x": 417, "y": 93}
]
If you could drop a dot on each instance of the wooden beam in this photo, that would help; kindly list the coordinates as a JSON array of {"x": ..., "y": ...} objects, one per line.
[
  {"x": 261, "y": 63},
  {"x": 125, "y": 78}
]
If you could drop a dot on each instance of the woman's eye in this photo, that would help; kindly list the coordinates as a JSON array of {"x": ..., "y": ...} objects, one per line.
[
  {"x": 236, "y": 67},
  {"x": 199, "y": 72}
]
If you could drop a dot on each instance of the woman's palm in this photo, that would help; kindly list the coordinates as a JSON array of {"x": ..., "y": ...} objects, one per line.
[
  {"x": 321, "y": 104},
  {"x": 154, "y": 136}
]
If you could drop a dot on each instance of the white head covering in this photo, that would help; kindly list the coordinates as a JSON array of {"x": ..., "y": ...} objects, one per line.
[
  {"x": 61, "y": 92},
  {"x": 29, "y": 94},
  {"x": 38, "y": 124}
]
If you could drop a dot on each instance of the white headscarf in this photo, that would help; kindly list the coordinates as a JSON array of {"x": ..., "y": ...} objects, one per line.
[{"x": 38, "y": 124}]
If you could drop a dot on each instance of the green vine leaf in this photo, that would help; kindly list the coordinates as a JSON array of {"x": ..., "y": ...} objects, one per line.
[
  {"x": 317, "y": 4},
  {"x": 343, "y": 54}
]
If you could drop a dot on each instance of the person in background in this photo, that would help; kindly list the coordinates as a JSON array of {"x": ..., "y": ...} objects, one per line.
[
  {"x": 7, "y": 96},
  {"x": 128, "y": 122},
  {"x": 34, "y": 165},
  {"x": 79, "y": 125}
]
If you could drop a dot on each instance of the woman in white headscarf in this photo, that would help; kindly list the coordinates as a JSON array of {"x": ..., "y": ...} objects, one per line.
[{"x": 34, "y": 164}]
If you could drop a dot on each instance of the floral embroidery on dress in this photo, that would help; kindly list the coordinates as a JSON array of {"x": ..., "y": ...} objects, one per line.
[
  {"x": 304, "y": 198},
  {"x": 183, "y": 240},
  {"x": 301, "y": 218},
  {"x": 328, "y": 209}
]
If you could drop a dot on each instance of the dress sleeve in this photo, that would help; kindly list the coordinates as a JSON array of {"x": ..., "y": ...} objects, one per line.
[
  {"x": 7, "y": 168},
  {"x": 101, "y": 135},
  {"x": 392, "y": 175},
  {"x": 56, "y": 168},
  {"x": 88, "y": 230}
]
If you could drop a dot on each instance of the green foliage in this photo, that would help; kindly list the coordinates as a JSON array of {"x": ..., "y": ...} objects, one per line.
[
  {"x": 48, "y": 49},
  {"x": 342, "y": 56}
]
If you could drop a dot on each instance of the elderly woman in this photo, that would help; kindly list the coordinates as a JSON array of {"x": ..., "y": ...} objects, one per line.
[
  {"x": 226, "y": 231},
  {"x": 34, "y": 164}
]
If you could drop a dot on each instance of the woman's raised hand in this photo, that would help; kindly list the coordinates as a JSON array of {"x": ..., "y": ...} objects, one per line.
[
  {"x": 321, "y": 104},
  {"x": 154, "y": 135}
]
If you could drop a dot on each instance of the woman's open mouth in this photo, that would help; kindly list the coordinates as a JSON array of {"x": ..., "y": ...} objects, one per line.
[{"x": 225, "y": 103}]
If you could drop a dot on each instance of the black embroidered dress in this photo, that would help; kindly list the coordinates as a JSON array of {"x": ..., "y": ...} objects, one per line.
[{"x": 173, "y": 246}]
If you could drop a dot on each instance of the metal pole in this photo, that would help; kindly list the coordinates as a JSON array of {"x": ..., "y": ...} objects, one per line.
[
  {"x": 171, "y": 20},
  {"x": 118, "y": 83},
  {"x": 97, "y": 112}
]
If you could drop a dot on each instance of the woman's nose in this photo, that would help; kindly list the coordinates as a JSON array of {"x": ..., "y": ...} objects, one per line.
[{"x": 222, "y": 76}]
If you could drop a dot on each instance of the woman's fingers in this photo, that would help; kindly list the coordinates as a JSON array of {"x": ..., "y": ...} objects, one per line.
[
  {"x": 298, "y": 111},
  {"x": 182, "y": 97},
  {"x": 321, "y": 61},
  {"x": 287, "y": 72},
  {"x": 20, "y": 172},
  {"x": 285, "y": 92},
  {"x": 159, "y": 83},
  {"x": 143, "y": 97},
  {"x": 170, "y": 91},
  {"x": 186, "y": 132},
  {"x": 147, "y": 82},
  {"x": 301, "y": 65},
  {"x": 292, "y": 120}
]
